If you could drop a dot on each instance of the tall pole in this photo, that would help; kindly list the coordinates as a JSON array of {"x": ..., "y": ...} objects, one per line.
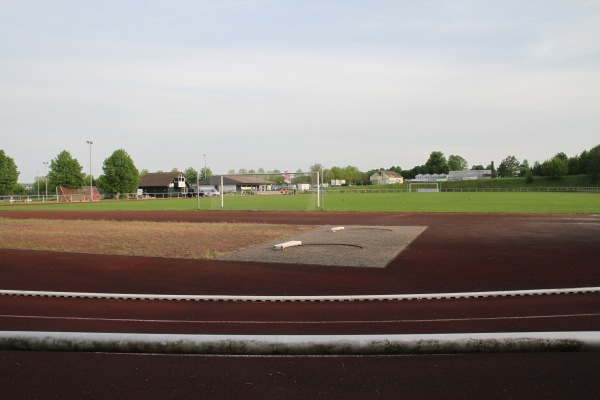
[
  {"x": 204, "y": 174},
  {"x": 91, "y": 193},
  {"x": 46, "y": 165}
]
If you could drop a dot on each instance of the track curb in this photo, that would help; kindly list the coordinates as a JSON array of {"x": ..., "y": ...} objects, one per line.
[{"x": 584, "y": 341}]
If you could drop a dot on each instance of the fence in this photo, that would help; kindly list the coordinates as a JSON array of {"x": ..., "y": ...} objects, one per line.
[
  {"x": 482, "y": 190},
  {"x": 27, "y": 199},
  {"x": 37, "y": 199}
]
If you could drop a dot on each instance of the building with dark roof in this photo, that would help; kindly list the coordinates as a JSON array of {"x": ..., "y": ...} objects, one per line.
[{"x": 163, "y": 183}]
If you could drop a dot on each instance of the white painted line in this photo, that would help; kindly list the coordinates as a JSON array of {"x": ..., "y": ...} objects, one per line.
[
  {"x": 305, "y": 322},
  {"x": 285, "y": 298},
  {"x": 285, "y": 245},
  {"x": 337, "y": 229},
  {"x": 302, "y": 344}
]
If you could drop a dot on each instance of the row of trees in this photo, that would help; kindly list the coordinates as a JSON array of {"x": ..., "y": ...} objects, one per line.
[
  {"x": 588, "y": 162},
  {"x": 120, "y": 174}
]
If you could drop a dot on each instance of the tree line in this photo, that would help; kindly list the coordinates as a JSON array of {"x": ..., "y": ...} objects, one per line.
[{"x": 120, "y": 174}]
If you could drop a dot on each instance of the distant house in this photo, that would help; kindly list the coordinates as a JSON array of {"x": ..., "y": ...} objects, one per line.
[
  {"x": 386, "y": 178},
  {"x": 163, "y": 183},
  {"x": 236, "y": 183}
]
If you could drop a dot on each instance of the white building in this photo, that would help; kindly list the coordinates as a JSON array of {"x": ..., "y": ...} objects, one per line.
[
  {"x": 469, "y": 175},
  {"x": 386, "y": 178}
]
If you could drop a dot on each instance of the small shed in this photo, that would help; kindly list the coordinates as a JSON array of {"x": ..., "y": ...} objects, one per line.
[
  {"x": 163, "y": 183},
  {"x": 386, "y": 178}
]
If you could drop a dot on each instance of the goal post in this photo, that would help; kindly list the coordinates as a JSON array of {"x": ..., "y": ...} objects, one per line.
[
  {"x": 293, "y": 191},
  {"x": 79, "y": 195},
  {"x": 424, "y": 187}
]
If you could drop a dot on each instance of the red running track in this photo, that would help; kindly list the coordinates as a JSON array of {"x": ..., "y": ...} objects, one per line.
[{"x": 457, "y": 253}]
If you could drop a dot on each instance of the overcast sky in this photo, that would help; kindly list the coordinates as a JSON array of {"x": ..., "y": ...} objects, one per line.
[{"x": 284, "y": 84}]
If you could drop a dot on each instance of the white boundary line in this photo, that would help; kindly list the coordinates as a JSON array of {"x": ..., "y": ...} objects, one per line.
[
  {"x": 283, "y": 322},
  {"x": 302, "y": 344},
  {"x": 285, "y": 298}
]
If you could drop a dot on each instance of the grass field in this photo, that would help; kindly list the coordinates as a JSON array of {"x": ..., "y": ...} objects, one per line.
[{"x": 503, "y": 202}]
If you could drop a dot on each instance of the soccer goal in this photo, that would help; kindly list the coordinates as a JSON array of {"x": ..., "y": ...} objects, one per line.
[
  {"x": 71, "y": 195},
  {"x": 269, "y": 191},
  {"x": 424, "y": 187}
]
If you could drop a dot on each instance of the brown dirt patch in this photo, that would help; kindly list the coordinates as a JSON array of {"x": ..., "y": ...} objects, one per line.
[{"x": 151, "y": 239}]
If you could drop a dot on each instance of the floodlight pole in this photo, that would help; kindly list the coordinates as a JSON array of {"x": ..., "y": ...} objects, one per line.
[
  {"x": 91, "y": 194},
  {"x": 46, "y": 165}
]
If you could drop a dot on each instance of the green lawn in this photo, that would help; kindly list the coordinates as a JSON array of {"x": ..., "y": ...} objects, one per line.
[{"x": 503, "y": 202}]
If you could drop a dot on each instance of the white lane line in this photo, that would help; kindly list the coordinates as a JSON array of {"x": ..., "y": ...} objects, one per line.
[
  {"x": 285, "y": 298},
  {"x": 410, "y": 321}
]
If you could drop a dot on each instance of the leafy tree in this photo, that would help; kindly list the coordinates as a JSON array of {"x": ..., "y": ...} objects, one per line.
[
  {"x": 478, "y": 167},
  {"x": 537, "y": 169},
  {"x": 555, "y": 167},
  {"x": 8, "y": 174},
  {"x": 584, "y": 158},
  {"x": 529, "y": 176},
  {"x": 205, "y": 172},
  {"x": 509, "y": 167},
  {"x": 524, "y": 168},
  {"x": 354, "y": 175},
  {"x": 593, "y": 162},
  {"x": 561, "y": 156},
  {"x": 457, "y": 163},
  {"x": 120, "y": 174},
  {"x": 349, "y": 173},
  {"x": 573, "y": 165},
  {"x": 316, "y": 167},
  {"x": 191, "y": 175},
  {"x": 65, "y": 171},
  {"x": 437, "y": 163}
]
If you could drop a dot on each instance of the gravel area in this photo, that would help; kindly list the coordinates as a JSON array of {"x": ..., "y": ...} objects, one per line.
[{"x": 349, "y": 246}]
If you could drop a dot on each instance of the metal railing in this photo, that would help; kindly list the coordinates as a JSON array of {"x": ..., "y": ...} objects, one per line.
[{"x": 481, "y": 190}]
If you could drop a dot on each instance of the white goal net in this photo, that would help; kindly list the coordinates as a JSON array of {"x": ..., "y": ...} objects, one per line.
[
  {"x": 269, "y": 191},
  {"x": 424, "y": 187}
]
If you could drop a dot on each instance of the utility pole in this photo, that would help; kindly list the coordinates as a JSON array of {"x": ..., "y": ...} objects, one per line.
[{"x": 91, "y": 188}]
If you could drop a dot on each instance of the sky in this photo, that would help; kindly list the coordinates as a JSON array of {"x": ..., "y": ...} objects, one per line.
[{"x": 285, "y": 84}]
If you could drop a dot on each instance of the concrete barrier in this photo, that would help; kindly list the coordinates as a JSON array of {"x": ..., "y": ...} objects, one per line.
[{"x": 301, "y": 344}]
